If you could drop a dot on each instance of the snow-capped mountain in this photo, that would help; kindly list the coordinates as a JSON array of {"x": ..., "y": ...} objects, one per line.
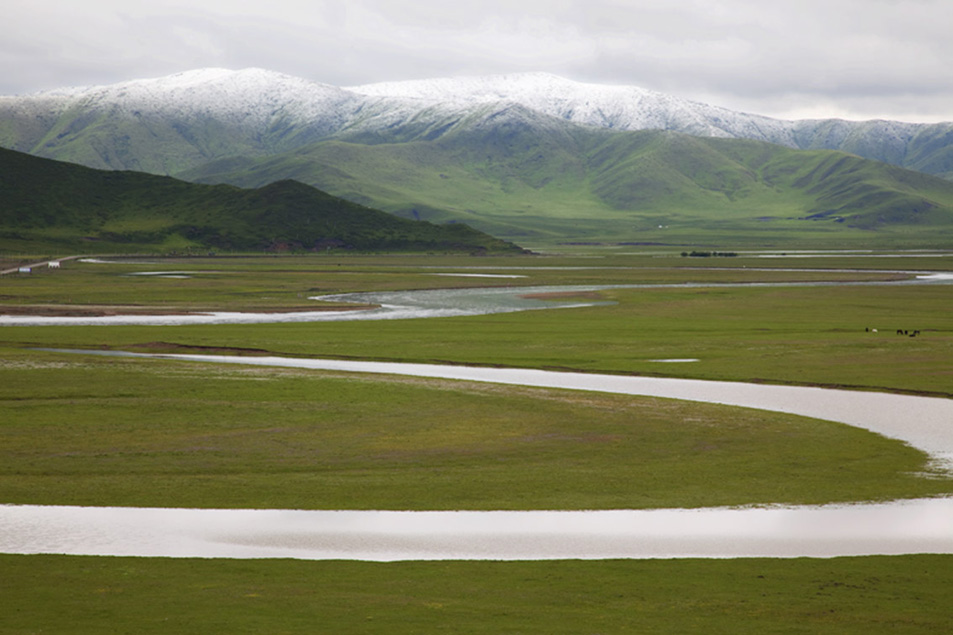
[
  {"x": 512, "y": 155},
  {"x": 251, "y": 98},
  {"x": 604, "y": 106},
  {"x": 631, "y": 108},
  {"x": 173, "y": 123}
]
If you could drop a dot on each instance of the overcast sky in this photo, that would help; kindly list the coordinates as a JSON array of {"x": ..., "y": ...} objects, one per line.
[{"x": 793, "y": 58}]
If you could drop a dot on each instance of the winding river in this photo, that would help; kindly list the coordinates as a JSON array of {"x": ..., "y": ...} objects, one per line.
[
  {"x": 913, "y": 526},
  {"x": 396, "y": 305},
  {"x": 898, "y": 527}
]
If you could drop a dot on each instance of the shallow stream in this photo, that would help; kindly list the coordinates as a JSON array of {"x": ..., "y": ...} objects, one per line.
[
  {"x": 920, "y": 526},
  {"x": 395, "y": 305}
]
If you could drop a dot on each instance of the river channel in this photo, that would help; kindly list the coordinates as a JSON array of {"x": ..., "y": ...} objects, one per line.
[
  {"x": 897, "y": 527},
  {"x": 396, "y": 305}
]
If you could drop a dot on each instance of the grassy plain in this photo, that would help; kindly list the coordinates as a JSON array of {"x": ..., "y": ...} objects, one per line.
[
  {"x": 149, "y": 432},
  {"x": 843, "y": 595},
  {"x": 94, "y": 431},
  {"x": 790, "y": 334}
]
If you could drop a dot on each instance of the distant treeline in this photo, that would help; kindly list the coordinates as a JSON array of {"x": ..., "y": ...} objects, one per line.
[{"x": 708, "y": 254}]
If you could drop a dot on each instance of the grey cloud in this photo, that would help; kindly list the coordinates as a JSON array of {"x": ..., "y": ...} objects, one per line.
[{"x": 853, "y": 56}]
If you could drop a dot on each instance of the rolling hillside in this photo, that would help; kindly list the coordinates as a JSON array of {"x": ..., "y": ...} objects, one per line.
[
  {"x": 51, "y": 205},
  {"x": 518, "y": 183}
]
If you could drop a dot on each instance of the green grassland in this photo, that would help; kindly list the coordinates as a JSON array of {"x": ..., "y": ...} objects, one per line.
[
  {"x": 792, "y": 334},
  {"x": 155, "y": 433},
  {"x": 842, "y": 596},
  {"x": 88, "y": 430}
]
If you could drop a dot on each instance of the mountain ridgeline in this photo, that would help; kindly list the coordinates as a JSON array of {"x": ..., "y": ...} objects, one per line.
[
  {"x": 174, "y": 123},
  {"x": 530, "y": 158},
  {"x": 65, "y": 207}
]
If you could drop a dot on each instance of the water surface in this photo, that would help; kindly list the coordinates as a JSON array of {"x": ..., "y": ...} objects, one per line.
[
  {"x": 922, "y": 526},
  {"x": 902, "y": 527},
  {"x": 396, "y": 305},
  {"x": 899, "y": 527}
]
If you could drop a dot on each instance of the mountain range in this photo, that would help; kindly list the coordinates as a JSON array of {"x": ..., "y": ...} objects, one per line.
[{"x": 524, "y": 156}]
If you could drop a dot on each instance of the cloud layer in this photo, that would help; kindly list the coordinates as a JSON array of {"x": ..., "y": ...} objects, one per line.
[{"x": 852, "y": 58}]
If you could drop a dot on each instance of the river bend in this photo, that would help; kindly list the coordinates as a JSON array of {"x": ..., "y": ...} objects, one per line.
[{"x": 899, "y": 527}]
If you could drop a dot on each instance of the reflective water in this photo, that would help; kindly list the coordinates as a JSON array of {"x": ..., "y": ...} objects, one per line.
[
  {"x": 923, "y": 526},
  {"x": 920, "y": 526},
  {"x": 395, "y": 305},
  {"x": 891, "y": 528}
]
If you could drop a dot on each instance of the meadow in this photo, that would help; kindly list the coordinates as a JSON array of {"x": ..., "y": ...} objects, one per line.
[{"x": 94, "y": 431}]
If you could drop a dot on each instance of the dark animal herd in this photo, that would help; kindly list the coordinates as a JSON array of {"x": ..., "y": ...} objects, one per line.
[{"x": 899, "y": 332}]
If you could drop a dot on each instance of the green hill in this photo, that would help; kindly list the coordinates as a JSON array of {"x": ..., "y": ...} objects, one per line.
[
  {"x": 528, "y": 183},
  {"x": 50, "y": 205}
]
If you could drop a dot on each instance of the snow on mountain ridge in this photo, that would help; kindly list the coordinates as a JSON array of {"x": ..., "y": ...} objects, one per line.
[
  {"x": 606, "y": 106},
  {"x": 253, "y": 96},
  {"x": 257, "y": 97},
  {"x": 482, "y": 88}
]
